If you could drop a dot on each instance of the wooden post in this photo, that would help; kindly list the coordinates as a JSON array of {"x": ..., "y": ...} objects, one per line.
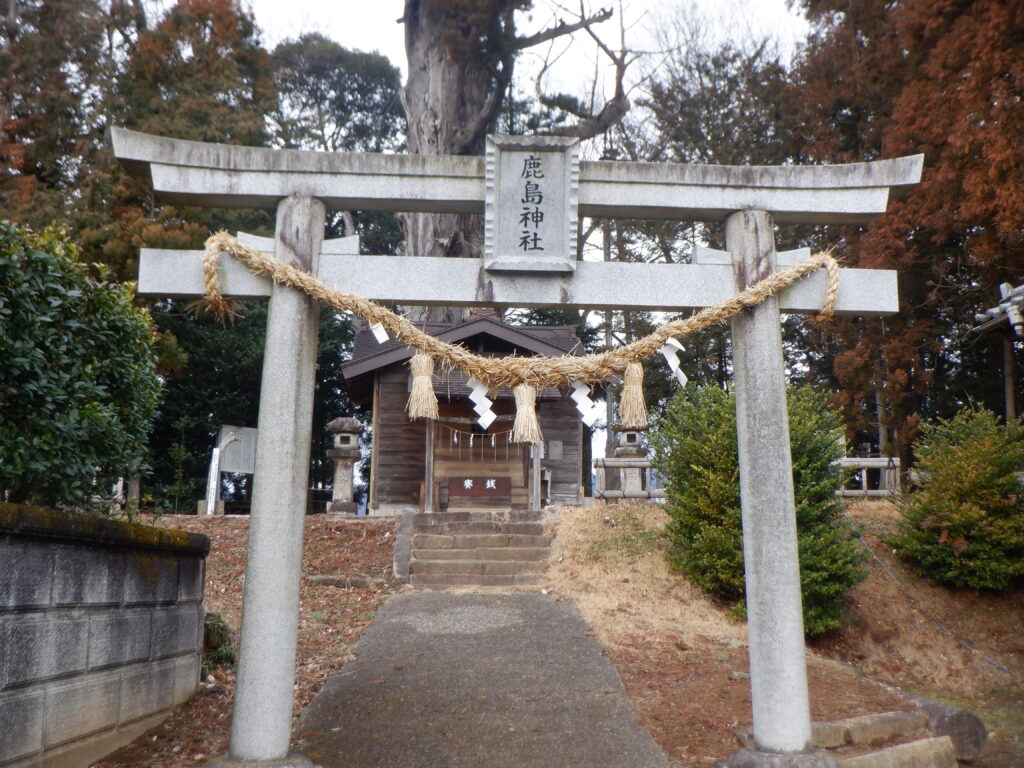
[
  {"x": 371, "y": 491},
  {"x": 428, "y": 469},
  {"x": 1009, "y": 377},
  {"x": 536, "y": 454}
]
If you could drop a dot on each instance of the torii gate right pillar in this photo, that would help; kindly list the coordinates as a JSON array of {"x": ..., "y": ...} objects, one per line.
[{"x": 778, "y": 670}]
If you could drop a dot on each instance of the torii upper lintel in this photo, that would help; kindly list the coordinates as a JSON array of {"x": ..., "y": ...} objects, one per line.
[{"x": 223, "y": 175}]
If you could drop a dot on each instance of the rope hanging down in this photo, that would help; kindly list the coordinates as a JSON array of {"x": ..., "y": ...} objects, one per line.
[{"x": 512, "y": 372}]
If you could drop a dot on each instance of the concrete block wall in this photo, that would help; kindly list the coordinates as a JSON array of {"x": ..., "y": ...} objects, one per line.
[{"x": 101, "y": 631}]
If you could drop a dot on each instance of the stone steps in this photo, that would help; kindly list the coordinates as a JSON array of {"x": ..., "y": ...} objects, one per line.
[
  {"x": 481, "y": 526},
  {"x": 478, "y": 548},
  {"x": 480, "y": 515},
  {"x": 475, "y": 540},
  {"x": 476, "y": 580},
  {"x": 465, "y": 567},
  {"x": 535, "y": 554}
]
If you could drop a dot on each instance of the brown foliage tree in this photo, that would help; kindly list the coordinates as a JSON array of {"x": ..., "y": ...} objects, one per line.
[
  {"x": 71, "y": 68},
  {"x": 882, "y": 79},
  {"x": 57, "y": 59}
]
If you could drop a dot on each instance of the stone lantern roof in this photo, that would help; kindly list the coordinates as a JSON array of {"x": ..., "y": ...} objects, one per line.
[{"x": 346, "y": 424}]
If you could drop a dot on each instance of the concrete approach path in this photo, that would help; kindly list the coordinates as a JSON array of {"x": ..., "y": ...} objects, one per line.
[{"x": 488, "y": 680}]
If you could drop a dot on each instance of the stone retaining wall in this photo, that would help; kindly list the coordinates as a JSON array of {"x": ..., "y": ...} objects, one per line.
[{"x": 101, "y": 626}]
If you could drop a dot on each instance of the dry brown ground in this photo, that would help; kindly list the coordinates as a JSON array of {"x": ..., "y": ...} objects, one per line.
[
  {"x": 962, "y": 646},
  {"x": 330, "y": 622},
  {"x": 682, "y": 659},
  {"x": 684, "y": 663}
]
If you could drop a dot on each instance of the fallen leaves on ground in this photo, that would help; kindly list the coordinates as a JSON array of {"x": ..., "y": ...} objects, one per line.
[{"x": 330, "y": 621}]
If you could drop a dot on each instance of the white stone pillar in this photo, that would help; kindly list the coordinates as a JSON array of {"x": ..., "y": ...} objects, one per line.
[
  {"x": 778, "y": 672},
  {"x": 261, "y": 726}
]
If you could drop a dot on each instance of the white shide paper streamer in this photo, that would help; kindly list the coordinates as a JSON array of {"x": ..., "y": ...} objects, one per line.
[
  {"x": 671, "y": 350},
  {"x": 481, "y": 403},
  {"x": 590, "y": 411}
]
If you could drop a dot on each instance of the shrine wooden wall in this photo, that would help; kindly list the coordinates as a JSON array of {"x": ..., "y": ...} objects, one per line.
[
  {"x": 478, "y": 453},
  {"x": 398, "y": 443},
  {"x": 560, "y": 423},
  {"x": 399, "y": 448}
]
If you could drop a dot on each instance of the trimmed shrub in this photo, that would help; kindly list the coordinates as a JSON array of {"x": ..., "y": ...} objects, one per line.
[
  {"x": 964, "y": 525},
  {"x": 218, "y": 650},
  {"x": 695, "y": 449},
  {"x": 78, "y": 386}
]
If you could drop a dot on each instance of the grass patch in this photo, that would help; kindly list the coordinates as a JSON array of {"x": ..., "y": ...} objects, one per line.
[
  {"x": 1003, "y": 715},
  {"x": 623, "y": 535}
]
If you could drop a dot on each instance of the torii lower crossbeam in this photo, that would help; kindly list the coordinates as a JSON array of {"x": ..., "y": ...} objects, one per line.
[{"x": 436, "y": 281}]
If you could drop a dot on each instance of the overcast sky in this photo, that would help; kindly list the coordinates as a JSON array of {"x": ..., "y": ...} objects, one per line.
[{"x": 371, "y": 25}]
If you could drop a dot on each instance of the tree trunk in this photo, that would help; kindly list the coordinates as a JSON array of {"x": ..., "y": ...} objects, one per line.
[
  {"x": 461, "y": 58},
  {"x": 444, "y": 93}
]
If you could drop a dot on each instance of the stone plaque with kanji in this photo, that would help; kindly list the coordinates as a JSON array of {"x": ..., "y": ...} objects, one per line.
[{"x": 530, "y": 210}]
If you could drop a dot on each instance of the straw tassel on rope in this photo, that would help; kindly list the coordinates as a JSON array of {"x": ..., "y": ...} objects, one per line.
[
  {"x": 632, "y": 411},
  {"x": 422, "y": 400},
  {"x": 526, "y": 428}
]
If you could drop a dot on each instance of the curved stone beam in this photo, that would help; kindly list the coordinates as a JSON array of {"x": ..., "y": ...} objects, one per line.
[{"x": 198, "y": 173}]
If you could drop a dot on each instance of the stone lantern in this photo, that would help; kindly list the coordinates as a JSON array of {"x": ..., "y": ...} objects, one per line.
[
  {"x": 346, "y": 431},
  {"x": 629, "y": 444}
]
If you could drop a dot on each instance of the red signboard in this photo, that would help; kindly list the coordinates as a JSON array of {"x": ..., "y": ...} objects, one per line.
[{"x": 480, "y": 486}]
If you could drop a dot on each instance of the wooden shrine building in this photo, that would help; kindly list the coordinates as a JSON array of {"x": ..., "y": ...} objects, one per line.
[{"x": 453, "y": 462}]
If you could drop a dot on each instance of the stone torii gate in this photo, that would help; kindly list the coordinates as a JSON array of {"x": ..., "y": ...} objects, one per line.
[{"x": 528, "y": 261}]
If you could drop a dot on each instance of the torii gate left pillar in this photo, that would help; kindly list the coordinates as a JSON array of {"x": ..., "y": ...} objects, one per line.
[{"x": 261, "y": 726}]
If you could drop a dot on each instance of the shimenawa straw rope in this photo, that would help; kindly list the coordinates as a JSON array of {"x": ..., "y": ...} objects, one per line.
[
  {"x": 632, "y": 410},
  {"x": 497, "y": 372}
]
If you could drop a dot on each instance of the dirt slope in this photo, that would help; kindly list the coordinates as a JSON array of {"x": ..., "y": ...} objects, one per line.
[{"x": 684, "y": 660}]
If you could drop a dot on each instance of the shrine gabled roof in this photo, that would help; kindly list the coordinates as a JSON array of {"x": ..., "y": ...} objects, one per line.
[{"x": 552, "y": 341}]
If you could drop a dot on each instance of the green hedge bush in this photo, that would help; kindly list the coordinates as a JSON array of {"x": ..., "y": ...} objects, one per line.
[
  {"x": 695, "y": 449},
  {"x": 964, "y": 525},
  {"x": 78, "y": 383}
]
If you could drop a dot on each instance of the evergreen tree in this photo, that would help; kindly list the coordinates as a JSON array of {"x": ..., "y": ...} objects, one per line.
[
  {"x": 964, "y": 526},
  {"x": 695, "y": 449},
  {"x": 335, "y": 99},
  {"x": 79, "y": 385}
]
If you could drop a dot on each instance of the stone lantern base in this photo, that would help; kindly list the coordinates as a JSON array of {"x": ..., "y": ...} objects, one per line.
[{"x": 343, "y": 508}]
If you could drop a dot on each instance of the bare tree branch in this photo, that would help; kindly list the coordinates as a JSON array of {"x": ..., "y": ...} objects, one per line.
[
  {"x": 616, "y": 107},
  {"x": 561, "y": 29}
]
